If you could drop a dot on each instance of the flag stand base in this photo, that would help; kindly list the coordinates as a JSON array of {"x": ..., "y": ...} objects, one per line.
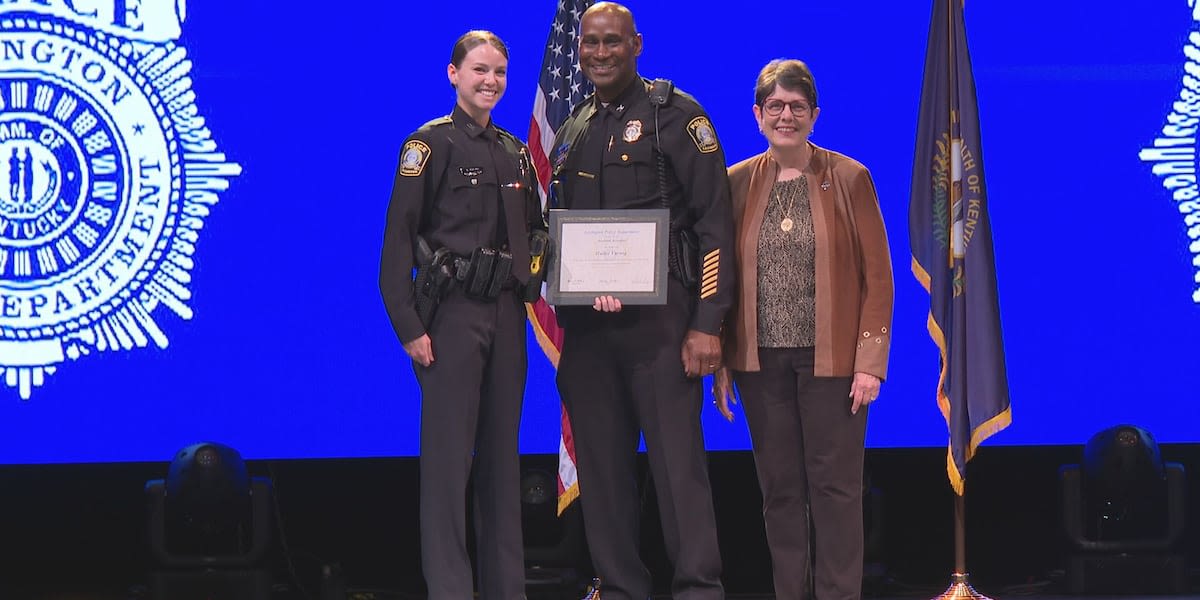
[{"x": 960, "y": 589}]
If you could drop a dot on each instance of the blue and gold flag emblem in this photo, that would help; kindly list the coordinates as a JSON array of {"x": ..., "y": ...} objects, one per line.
[{"x": 951, "y": 241}]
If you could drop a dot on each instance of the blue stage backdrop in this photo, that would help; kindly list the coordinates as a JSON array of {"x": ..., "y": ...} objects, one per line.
[{"x": 193, "y": 197}]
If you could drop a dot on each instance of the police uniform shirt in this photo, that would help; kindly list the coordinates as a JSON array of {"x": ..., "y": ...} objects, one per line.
[
  {"x": 453, "y": 179},
  {"x": 605, "y": 158}
]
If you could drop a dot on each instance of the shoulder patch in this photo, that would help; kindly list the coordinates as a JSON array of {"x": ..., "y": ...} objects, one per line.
[
  {"x": 412, "y": 160},
  {"x": 703, "y": 135}
]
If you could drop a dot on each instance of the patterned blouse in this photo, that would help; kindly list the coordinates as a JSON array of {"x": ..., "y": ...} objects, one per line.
[{"x": 786, "y": 269}]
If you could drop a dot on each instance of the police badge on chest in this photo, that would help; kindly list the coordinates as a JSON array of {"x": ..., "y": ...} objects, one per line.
[{"x": 633, "y": 131}]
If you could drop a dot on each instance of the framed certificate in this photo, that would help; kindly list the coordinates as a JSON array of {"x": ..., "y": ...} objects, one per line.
[{"x": 619, "y": 253}]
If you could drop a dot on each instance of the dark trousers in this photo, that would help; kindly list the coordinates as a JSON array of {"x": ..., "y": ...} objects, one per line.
[
  {"x": 619, "y": 381},
  {"x": 808, "y": 450},
  {"x": 470, "y": 417}
]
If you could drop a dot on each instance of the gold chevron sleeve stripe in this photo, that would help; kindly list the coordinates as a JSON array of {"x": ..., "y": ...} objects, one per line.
[{"x": 708, "y": 280}]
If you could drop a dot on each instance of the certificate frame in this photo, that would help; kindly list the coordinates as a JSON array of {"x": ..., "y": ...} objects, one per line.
[{"x": 580, "y": 233}]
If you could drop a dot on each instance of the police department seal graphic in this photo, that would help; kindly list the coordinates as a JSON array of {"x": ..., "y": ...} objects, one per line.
[
  {"x": 1173, "y": 155},
  {"x": 107, "y": 172}
]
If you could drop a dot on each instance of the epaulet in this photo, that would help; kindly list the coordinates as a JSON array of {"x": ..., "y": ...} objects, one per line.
[
  {"x": 587, "y": 101},
  {"x": 438, "y": 122},
  {"x": 686, "y": 99},
  {"x": 508, "y": 134}
]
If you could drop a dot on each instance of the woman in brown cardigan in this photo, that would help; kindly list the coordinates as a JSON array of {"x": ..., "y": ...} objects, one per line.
[{"x": 807, "y": 343}]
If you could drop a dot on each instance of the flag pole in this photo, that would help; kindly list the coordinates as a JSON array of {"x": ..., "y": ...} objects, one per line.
[
  {"x": 960, "y": 532},
  {"x": 960, "y": 585},
  {"x": 972, "y": 389}
]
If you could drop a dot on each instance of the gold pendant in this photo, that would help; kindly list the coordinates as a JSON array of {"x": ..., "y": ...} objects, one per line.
[{"x": 786, "y": 224}]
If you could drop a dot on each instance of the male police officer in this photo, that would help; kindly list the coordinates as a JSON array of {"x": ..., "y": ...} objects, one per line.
[{"x": 625, "y": 370}]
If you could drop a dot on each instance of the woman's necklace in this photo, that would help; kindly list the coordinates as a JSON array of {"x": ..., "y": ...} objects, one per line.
[{"x": 786, "y": 224}]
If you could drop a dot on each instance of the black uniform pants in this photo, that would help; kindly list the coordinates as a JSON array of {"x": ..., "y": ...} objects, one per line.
[
  {"x": 808, "y": 451},
  {"x": 615, "y": 382},
  {"x": 470, "y": 417}
]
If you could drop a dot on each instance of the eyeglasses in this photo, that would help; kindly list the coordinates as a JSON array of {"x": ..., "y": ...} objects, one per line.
[{"x": 774, "y": 108}]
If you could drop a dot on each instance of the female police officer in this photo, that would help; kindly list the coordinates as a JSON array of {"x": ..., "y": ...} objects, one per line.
[{"x": 461, "y": 200}]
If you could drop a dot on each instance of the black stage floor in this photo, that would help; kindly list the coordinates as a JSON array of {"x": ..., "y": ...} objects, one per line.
[
  {"x": 286, "y": 587},
  {"x": 79, "y": 532},
  {"x": 138, "y": 593}
]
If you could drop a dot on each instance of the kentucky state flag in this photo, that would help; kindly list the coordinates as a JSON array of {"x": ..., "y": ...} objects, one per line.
[{"x": 951, "y": 238}]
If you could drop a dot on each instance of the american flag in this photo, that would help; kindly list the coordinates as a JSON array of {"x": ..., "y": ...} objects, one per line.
[{"x": 560, "y": 87}]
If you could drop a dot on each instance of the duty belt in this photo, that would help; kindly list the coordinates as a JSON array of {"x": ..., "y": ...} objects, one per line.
[{"x": 485, "y": 273}]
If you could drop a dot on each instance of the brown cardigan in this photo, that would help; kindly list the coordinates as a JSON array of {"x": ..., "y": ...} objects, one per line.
[{"x": 853, "y": 265}]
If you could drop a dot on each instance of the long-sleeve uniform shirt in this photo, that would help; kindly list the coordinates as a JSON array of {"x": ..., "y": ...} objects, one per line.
[
  {"x": 621, "y": 373},
  {"x": 461, "y": 186},
  {"x": 605, "y": 157}
]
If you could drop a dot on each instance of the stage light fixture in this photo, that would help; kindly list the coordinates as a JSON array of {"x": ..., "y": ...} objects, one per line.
[
  {"x": 1123, "y": 513},
  {"x": 208, "y": 502},
  {"x": 209, "y": 527},
  {"x": 1125, "y": 486},
  {"x": 553, "y": 542}
]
